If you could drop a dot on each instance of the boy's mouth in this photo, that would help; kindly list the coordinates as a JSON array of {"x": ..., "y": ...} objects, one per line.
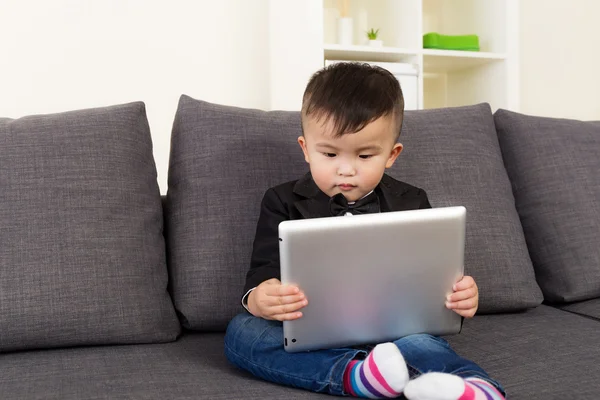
[{"x": 345, "y": 186}]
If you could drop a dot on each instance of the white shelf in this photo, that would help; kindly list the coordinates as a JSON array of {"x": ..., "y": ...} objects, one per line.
[
  {"x": 369, "y": 53},
  {"x": 441, "y": 61},
  {"x": 445, "y": 78},
  {"x": 435, "y": 61}
]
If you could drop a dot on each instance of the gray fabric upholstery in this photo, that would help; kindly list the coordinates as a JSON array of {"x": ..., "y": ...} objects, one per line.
[
  {"x": 540, "y": 354},
  {"x": 554, "y": 168},
  {"x": 194, "y": 367},
  {"x": 588, "y": 308},
  {"x": 222, "y": 161},
  {"x": 82, "y": 257},
  {"x": 224, "y": 158}
]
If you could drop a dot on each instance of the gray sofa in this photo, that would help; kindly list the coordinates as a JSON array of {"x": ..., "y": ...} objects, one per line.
[{"x": 107, "y": 294}]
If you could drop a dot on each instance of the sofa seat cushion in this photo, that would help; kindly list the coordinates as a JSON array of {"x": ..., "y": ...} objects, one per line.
[
  {"x": 82, "y": 255},
  {"x": 194, "y": 367},
  {"x": 223, "y": 159},
  {"x": 587, "y": 308},
  {"x": 554, "y": 167},
  {"x": 538, "y": 354}
]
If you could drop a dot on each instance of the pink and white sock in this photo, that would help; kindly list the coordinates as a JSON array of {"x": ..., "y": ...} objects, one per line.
[
  {"x": 440, "y": 386},
  {"x": 383, "y": 374}
]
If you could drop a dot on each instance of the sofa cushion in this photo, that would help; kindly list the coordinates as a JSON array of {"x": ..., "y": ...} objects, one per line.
[
  {"x": 223, "y": 159},
  {"x": 82, "y": 257},
  {"x": 586, "y": 308},
  {"x": 554, "y": 168},
  {"x": 192, "y": 368},
  {"x": 538, "y": 354}
]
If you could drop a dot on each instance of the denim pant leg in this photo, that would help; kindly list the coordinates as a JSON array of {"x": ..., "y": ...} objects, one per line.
[
  {"x": 426, "y": 353},
  {"x": 256, "y": 345}
]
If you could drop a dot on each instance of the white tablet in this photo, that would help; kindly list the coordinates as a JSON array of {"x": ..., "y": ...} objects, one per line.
[{"x": 372, "y": 278}]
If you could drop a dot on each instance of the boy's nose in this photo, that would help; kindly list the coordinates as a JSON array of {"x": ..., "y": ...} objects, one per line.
[{"x": 346, "y": 169}]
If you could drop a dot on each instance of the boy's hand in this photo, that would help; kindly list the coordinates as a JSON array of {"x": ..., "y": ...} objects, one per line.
[
  {"x": 274, "y": 301},
  {"x": 465, "y": 299}
]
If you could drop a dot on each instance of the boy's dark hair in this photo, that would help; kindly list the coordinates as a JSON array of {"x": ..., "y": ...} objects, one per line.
[{"x": 353, "y": 95}]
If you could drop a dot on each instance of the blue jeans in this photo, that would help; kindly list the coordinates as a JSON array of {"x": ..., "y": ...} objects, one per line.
[{"x": 256, "y": 345}]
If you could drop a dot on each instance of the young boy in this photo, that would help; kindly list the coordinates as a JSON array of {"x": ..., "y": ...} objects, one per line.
[{"x": 351, "y": 120}]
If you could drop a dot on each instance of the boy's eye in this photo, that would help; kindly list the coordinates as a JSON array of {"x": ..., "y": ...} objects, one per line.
[
  {"x": 365, "y": 156},
  {"x": 330, "y": 155}
]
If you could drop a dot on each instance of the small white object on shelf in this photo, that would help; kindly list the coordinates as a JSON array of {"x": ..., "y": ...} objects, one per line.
[
  {"x": 376, "y": 43},
  {"x": 344, "y": 31}
]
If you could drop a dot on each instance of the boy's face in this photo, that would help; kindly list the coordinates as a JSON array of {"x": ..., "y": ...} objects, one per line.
[{"x": 352, "y": 164}]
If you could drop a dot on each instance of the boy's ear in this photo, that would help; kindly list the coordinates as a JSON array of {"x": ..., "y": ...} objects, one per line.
[
  {"x": 396, "y": 150},
  {"x": 302, "y": 143}
]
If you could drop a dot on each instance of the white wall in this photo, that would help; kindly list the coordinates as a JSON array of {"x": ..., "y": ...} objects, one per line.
[
  {"x": 295, "y": 27},
  {"x": 69, "y": 54},
  {"x": 560, "y": 58}
]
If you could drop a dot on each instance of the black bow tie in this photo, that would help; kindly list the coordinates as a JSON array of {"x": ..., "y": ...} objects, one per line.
[{"x": 338, "y": 205}]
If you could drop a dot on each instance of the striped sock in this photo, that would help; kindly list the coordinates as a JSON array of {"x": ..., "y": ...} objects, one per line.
[
  {"x": 489, "y": 391},
  {"x": 383, "y": 374},
  {"x": 440, "y": 386}
]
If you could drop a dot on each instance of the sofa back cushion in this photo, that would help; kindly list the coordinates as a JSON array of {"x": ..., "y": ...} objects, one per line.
[
  {"x": 223, "y": 159},
  {"x": 554, "y": 167},
  {"x": 82, "y": 257}
]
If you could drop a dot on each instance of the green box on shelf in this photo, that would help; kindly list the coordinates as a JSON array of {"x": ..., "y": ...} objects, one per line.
[{"x": 447, "y": 42}]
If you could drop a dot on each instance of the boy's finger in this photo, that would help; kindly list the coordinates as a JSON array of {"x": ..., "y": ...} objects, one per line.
[
  {"x": 466, "y": 313},
  {"x": 282, "y": 290},
  {"x": 461, "y": 305},
  {"x": 465, "y": 283},
  {"x": 288, "y": 308},
  {"x": 462, "y": 295},
  {"x": 288, "y": 316},
  {"x": 282, "y": 300}
]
